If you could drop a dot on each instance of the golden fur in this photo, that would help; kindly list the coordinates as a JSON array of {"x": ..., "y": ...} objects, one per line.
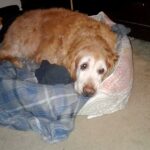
[{"x": 59, "y": 36}]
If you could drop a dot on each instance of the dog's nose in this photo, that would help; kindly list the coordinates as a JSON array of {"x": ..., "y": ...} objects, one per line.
[{"x": 88, "y": 91}]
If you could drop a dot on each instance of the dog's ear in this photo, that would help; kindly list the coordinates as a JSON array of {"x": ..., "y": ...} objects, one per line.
[
  {"x": 72, "y": 70},
  {"x": 74, "y": 66},
  {"x": 111, "y": 59},
  {"x": 110, "y": 38},
  {"x": 70, "y": 64}
]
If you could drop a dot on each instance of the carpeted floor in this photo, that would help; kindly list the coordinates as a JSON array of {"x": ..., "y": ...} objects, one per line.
[{"x": 128, "y": 129}]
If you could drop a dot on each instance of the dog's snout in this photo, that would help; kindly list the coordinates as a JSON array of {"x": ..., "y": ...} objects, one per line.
[{"x": 88, "y": 91}]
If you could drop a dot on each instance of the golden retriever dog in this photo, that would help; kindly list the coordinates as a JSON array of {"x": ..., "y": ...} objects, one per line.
[{"x": 81, "y": 44}]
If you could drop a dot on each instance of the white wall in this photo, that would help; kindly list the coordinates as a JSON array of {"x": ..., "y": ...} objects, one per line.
[{"x": 4, "y": 3}]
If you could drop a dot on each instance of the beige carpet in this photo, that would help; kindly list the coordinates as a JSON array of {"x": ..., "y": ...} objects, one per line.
[{"x": 128, "y": 129}]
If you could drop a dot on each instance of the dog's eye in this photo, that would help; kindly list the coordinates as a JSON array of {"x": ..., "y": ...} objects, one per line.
[
  {"x": 84, "y": 66},
  {"x": 101, "y": 71}
]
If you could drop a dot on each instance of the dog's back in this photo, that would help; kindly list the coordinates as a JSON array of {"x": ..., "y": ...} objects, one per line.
[{"x": 51, "y": 30}]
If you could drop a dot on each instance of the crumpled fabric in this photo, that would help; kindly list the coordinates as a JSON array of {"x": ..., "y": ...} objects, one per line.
[{"x": 26, "y": 105}]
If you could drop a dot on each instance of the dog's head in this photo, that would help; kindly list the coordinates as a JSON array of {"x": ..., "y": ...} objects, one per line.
[
  {"x": 92, "y": 57},
  {"x": 90, "y": 64}
]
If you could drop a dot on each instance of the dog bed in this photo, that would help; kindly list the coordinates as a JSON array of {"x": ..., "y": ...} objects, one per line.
[
  {"x": 50, "y": 110},
  {"x": 115, "y": 90}
]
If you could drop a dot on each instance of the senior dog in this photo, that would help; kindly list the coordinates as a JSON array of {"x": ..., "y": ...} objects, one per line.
[{"x": 81, "y": 44}]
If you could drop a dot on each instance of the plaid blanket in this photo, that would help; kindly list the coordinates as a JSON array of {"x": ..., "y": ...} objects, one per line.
[{"x": 26, "y": 105}]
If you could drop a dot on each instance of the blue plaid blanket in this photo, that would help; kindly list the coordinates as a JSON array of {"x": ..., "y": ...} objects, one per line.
[{"x": 27, "y": 105}]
